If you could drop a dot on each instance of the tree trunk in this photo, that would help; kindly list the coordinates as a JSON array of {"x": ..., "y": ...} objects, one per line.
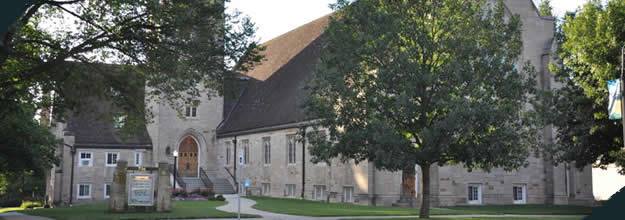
[
  {"x": 407, "y": 195},
  {"x": 425, "y": 200}
]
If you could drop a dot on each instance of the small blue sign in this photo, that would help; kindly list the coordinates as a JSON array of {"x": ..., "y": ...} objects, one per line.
[{"x": 247, "y": 183}]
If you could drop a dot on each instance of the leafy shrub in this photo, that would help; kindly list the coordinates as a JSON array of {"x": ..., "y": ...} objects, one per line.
[
  {"x": 207, "y": 193},
  {"x": 179, "y": 193},
  {"x": 10, "y": 202},
  {"x": 220, "y": 198}
]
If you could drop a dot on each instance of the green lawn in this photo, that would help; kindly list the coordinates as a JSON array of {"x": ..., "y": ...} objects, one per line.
[
  {"x": 99, "y": 211},
  {"x": 319, "y": 209}
]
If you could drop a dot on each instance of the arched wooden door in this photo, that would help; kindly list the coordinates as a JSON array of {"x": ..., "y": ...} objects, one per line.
[{"x": 188, "y": 157}]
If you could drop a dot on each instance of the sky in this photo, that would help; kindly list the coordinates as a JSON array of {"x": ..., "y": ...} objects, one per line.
[{"x": 275, "y": 17}]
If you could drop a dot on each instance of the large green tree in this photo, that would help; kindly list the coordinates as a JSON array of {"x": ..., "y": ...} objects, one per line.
[
  {"x": 60, "y": 51},
  {"x": 590, "y": 46},
  {"x": 424, "y": 82}
]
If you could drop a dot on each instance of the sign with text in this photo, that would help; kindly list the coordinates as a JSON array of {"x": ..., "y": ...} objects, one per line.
[{"x": 140, "y": 189}]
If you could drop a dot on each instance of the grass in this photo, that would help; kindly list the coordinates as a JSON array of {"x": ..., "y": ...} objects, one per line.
[
  {"x": 99, "y": 211},
  {"x": 25, "y": 205},
  {"x": 320, "y": 209}
]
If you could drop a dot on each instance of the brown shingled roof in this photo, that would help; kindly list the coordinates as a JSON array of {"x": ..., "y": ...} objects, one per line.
[
  {"x": 282, "y": 49},
  {"x": 275, "y": 95}
]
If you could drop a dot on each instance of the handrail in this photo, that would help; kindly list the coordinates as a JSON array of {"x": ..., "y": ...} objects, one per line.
[
  {"x": 207, "y": 182},
  {"x": 231, "y": 175},
  {"x": 181, "y": 183}
]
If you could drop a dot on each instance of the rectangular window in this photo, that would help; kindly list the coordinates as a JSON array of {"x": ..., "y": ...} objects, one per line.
[
  {"x": 267, "y": 150},
  {"x": 228, "y": 153},
  {"x": 290, "y": 190},
  {"x": 85, "y": 159},
  {"x": 348, "y": 194},
  {"x": 474, "y": 195},
  {"x": 290, "y": 148},
  {"x": 111, "y": 159},
  {"x": 84, "y": 191},
  {"x": 190, "y": 110},
  {"x": 246, "y": 151},
  {"x": 107, "y": 190},
  {"x": 138, "y": 159},
  {"x": 266, "y": 189},
  {"x": 319, "y": 193},
  {"x": 519, "y": 194}
]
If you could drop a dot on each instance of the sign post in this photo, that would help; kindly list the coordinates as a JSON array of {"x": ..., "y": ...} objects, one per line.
[
  {"x": 239, "y": 186},
  {"x": 623, "y": 89}
]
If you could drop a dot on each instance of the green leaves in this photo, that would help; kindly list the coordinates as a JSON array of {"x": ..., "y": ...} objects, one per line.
[
  {"x": 590, "y": 43},
  {"x": 424, "y": 82}
]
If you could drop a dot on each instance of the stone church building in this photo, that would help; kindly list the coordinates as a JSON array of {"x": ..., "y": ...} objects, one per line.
[{"x": 262, "y": 119}]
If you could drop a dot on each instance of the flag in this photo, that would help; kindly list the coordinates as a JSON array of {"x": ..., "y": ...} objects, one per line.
[{"x": 614, "y": 108}]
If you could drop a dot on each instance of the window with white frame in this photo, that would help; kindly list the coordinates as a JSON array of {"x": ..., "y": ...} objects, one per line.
[
  {"x": 290, "y": 148},
  {"x": 267, "y": 150},
  {"x": 348, "y": 194},
  {"x": 190, "y": 110},
  {"x": 246, "y": 151},
  {"x": 138, "y": 158},
  {"x": 85, "y": 159},
  {"x": 266, "y": 189},
  {"x": 84, "y": 191},
  {"x": 228, "y": 153},
  {"x": 474, "y": 194},
  {"x": 519, "y": 194},
  {"x": 107, "y": 190},
  {"x": 111, "y": 159},
  {"x": 319, "y": 192},
  {"x": 290, "y": 190}
]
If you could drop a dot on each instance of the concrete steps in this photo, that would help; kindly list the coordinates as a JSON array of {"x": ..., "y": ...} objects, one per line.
[
  {"x": 193, "y": 184},
  {"x": 220, "y": 185}
]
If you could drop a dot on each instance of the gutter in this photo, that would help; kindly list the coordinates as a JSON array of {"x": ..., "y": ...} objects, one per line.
[{"x": 270, "y": 128}]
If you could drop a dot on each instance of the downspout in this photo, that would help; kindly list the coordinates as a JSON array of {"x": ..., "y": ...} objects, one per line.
[
  {"x": 71, "y": 179},
  {"x": 303, "y": 161},
  {"x": 236, "y": 161}
]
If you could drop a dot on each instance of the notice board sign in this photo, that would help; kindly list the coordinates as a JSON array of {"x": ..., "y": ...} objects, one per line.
[{"x": 140, "y": 189}]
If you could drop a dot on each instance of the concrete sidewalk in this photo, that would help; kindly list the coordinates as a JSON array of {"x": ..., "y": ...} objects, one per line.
[{"x": 246, "y": 208}]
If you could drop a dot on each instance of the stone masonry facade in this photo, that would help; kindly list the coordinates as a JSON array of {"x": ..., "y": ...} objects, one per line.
[{"x": 269, "y": 119}]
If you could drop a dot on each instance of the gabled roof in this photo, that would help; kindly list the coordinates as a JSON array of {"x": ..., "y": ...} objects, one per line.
[
  {"x": 277, "y": 91},
  {"x": 92, "y": 120}
]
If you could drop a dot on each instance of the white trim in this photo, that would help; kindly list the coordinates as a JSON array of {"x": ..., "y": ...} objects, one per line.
[
  {"x": 140, "y": 160},
  {"x": 349, "y": 199},
  {"x": 104, "y": 191},
  {"x": 479, "y": 194},
  {"x": 80, "y": 160},
  {"x": 523, "y": 188},
  {"x": 78, "y": 196},
  {"x": 106, "y": 159}
]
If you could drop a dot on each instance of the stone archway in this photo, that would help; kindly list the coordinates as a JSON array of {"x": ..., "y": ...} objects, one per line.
[{"x": 188, "y": 157}]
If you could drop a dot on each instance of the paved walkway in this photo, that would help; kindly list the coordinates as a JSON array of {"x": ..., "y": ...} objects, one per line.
[
  {"x": 246, "y": 208},
  {"x": 20, "y": 216}
]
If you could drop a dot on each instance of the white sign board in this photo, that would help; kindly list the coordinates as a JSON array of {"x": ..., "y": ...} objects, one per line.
[
  {"x": 140, "y": 189},
  {"x": 241, "y": 158}
]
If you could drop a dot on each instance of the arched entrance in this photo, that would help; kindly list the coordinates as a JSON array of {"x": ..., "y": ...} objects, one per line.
[{"x": 188, "y": 157}]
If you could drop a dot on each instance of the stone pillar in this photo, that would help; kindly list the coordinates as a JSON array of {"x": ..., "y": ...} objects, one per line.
[
  {"x": 119, "y": 198},
  {"x": 163, "y": 188}
]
